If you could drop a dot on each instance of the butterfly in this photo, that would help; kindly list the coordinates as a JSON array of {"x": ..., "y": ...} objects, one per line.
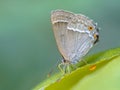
[{"x": 75, "y": 35}]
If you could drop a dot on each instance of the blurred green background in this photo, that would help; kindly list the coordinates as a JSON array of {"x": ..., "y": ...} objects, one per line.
[{"x": 27, "y": 46}]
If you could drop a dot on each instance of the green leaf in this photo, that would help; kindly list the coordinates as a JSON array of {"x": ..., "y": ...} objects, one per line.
[{"x": 102, "y": 73}]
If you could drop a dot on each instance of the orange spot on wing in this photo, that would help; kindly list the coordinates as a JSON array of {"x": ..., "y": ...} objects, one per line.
[
  {"x": 90, "y": 28},
  {"x": 95, "y": 36}
]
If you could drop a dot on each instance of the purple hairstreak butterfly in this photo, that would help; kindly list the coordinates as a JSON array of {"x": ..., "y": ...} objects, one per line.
[{"x": 75, "y": 35}]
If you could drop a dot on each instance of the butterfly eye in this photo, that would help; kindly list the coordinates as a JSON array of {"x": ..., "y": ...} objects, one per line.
[{"x": 90, "y": 28}]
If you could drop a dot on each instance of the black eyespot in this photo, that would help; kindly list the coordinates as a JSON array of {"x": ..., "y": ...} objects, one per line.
[
  {"x": 90, "y": 28},
  {"x": 97, "y": 39}
]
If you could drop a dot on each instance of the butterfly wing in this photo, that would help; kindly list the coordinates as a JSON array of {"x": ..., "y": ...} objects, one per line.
[{"x": 72, "y": 36}]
